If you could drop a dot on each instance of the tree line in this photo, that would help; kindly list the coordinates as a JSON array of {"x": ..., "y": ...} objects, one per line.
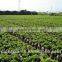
[{"x": 22, "y": 12}]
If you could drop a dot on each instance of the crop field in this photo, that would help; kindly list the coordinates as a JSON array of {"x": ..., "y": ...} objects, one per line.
[{"x": 30, "y": 38}]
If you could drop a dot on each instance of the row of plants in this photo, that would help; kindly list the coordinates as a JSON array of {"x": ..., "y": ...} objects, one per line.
[
  {"x": 14, "y": 50},
  {"x": 52, "y": 40}
]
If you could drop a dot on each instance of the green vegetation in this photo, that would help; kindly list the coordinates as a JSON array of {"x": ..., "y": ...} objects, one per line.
[
  {"x": 30, "y": 20},
  {"x": 46, "y": 39}
]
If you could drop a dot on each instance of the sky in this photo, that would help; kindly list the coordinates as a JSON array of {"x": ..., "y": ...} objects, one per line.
[{"x": 32, "y": 5}]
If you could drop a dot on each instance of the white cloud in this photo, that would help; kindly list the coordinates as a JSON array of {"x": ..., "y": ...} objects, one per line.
[
  {"x": 8, "y": 4},
  {"x": 39, "y": 5}
]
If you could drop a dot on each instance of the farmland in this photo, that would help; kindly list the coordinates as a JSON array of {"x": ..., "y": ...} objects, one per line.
[{"x": 51, "y": 41}]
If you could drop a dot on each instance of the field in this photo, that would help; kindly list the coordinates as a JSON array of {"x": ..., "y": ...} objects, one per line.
[{"x": 30, "y": 46}]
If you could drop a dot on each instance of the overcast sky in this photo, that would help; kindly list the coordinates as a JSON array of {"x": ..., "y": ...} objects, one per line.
[{"x": 35, "y": 5}]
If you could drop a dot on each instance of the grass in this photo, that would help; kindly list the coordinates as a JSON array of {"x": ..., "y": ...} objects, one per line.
[{"x": 30, "y": 20}]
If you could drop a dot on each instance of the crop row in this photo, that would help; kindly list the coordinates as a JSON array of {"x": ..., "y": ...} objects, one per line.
[
  {"x": 14, "y": 50},
  {"x": 48, "y": 51}
]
